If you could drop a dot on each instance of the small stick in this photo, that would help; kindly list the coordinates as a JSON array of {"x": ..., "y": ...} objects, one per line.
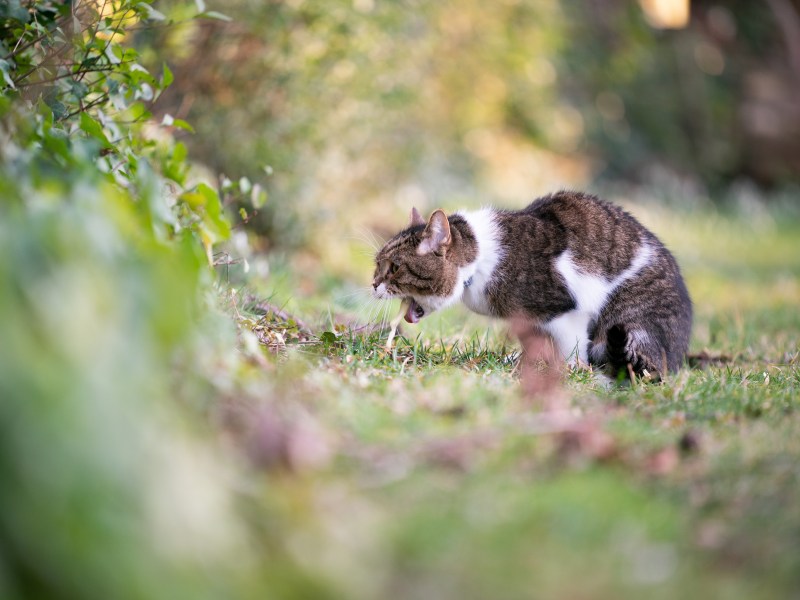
[{"x": 632, "y": 374}]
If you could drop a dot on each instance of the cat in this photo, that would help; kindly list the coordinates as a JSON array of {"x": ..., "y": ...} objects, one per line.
[{"x": 582, "y": 269}]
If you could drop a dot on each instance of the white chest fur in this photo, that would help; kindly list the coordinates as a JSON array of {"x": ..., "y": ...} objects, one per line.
[
  {"x": 590, "y": 292},
  {"x": 490, "y": 253}
]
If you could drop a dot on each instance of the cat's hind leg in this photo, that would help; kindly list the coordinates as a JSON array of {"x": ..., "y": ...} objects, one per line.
[
  {"x": 646, "y": 324},
  {"x": 633, "y": 349}
]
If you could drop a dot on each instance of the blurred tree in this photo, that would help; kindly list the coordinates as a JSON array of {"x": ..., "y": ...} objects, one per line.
[
  {"x": 713, "y": 100},
  {"x": 345, "y": 99}
]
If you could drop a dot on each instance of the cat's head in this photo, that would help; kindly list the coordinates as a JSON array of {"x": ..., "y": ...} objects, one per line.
[{"x": 420, "y": 263}]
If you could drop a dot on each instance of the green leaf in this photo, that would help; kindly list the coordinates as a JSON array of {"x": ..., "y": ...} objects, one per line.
[
  {"x": 258, "y": 196},
  {"x": 86, "y": 63},
  {"x": 56, "y": 142},
  {"x": 150, "y": 13},
  {"x": 5, "y": 69},
  {"x": 94, "y": 129},
  {"x": 38, "y": 28},
  {"x": 136, "y": 67},
  {"x": 58, "y": 107},
  {"x": 78, "y": 89},
  {"x": 47, "y": 114},
  {"x": 214, "y": 227},
  {"x": 166, "y": 76},
  {"x": 181, "y": 124},
  {"x": 210, "y": 197},
  {"x": 137, "y": 112},
  {"x": 114, "y": 54},
  {"x": 193, "y": 199},
  {"x": 174, "y": 167},
  {"x": 145, "y": 92},
  {"x": 215, "y": 221},
  {"x": 179, "y": 153},
  {"x": 212, "y": 14},
  {"x": 328, "y": 338},
  {"x": 12, "y": 9}
]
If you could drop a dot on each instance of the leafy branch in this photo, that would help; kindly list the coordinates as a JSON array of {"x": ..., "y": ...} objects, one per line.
[{"x": 84, "y": 87}]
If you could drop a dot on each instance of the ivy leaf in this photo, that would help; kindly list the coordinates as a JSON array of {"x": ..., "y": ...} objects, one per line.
[
  {"x": 78, "y": 89},
  {"x": 58, "y": 107},
  {"x": 56, "y": 142},
  {"x": 94, "y": 129}
]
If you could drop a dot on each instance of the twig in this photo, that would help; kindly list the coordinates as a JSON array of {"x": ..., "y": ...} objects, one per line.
[
  {"x": 91, "y": 104},
  {"x": 100, "y": 69},
  {"x": 246, "y": 220}
]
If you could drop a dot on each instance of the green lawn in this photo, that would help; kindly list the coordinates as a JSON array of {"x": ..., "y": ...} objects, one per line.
[{"x": 428, "y": 474}]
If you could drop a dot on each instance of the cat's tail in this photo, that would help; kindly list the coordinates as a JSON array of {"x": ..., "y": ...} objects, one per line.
[{"x": 632, "y": 351}]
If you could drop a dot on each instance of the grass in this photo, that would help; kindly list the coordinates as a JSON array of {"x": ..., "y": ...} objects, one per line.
[{"x": 439, "y": 479}]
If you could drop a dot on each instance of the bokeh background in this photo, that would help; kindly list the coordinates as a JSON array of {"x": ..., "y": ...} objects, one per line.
[
  {"x": 350, "y": 112},
  {"x": 160, "y": 438}
]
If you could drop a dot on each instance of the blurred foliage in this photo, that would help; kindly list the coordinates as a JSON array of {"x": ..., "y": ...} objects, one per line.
[
  {"x": 76, "y": 102},
  {"x": 341, "y": 101},
  {"x": 104, "y": 279},
  {"x": 356, "y": 103},
  {"x": 693, "y": 98}
]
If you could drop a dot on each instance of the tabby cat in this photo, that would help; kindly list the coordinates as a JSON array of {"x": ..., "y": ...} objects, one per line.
[{"x": 583, "y": 270}]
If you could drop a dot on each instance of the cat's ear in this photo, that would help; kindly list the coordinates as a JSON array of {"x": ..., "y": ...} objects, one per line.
[
  {"x": 436, "y": 237},
  {"x": 416, "y": 218}
]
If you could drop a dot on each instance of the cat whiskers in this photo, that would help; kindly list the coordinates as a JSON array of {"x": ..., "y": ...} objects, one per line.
[
  {"x": 370, "y": 239},
  {"x": 368, "y": 310},
  {"x": 378, "y": 317}
]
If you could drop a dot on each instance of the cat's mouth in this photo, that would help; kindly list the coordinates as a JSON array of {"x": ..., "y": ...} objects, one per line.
[{"x": 414, "y": 312}]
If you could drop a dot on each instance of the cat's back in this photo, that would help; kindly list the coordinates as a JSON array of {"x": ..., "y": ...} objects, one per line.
[
  {"x": 600, "y": 235},
  {"x": 576, "y": 209}
]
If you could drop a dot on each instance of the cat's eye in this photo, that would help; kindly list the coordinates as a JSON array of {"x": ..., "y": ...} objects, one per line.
[{"x": 393, "y": 268}]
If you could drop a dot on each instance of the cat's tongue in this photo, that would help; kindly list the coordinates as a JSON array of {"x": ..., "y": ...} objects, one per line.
[{"x": 414, "y": 312}]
